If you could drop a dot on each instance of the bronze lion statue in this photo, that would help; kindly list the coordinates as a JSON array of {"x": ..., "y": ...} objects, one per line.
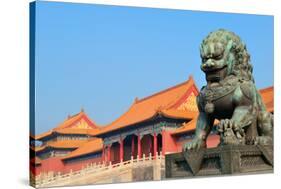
[{"x": 230, "y": 95}]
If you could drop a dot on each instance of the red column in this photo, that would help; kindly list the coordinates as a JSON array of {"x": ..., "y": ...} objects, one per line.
[
  {"x": 103, "y": 154},
  {"x": 108, "y": 154},
  {"x": 149, "y": 145},
  {"x": 163, "y": 143},
  {"x": 155, "y": 144},
  {"x": 139, "y": 146},
  {"x": 133, "y": 145},
  {"x": 121, "y": 150}
]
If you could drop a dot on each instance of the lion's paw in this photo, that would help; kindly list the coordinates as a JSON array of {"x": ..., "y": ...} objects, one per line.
[
  {"x": 228, "y": 124},
  {"x": 230, "y": 132},
  {"x": 195, "y": 144}
]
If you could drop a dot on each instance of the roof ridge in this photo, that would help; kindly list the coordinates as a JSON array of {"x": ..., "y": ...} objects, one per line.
[
  {"x": 72, "y": 116},
  {"x": 67, "y": 140},
  {"x": 190, "y": 79},
  {"x": 94, "y": 124},
  {"x": 109, "y": 124}
]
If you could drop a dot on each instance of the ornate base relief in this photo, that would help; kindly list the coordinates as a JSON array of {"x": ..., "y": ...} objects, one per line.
[{"x": 227, "y": 159}]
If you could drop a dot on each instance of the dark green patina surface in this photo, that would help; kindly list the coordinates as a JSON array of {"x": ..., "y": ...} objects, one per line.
[
  {"x": 223, "y": 160},
  {"x": 230, "y": 96}
]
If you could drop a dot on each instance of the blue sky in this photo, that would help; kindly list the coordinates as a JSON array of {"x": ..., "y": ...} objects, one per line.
[{"x": 102, "y": 57}]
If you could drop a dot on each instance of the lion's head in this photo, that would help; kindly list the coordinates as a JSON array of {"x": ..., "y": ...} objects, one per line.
[{"x": 223, "y": 54}]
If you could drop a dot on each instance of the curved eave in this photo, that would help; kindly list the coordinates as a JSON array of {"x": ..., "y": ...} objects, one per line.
[
  {"x": 67, "y": 131},
  {"x": 187, "y": 127},
  {"x": 85, "y": 132},
  {"x": 43, "y": 135},
  {"x": 164, "y": 113},
  {"x": 81, "y": 155},
  {"x": 55, "y": 148},
  {"x": 39, "y": 149},
  {"x": 93, "y": 146},
  {"x": 179, "y": 114},
  {"x": 107, "y": 131},
  {"x": 65, "y": 144},
  {"x": 132, "y": 116}
]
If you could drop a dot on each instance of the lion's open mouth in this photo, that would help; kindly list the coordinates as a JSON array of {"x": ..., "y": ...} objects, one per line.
[{"x": 215, "y": 75}]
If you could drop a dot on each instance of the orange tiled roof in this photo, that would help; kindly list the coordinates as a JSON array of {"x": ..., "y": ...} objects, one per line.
[
  {"x": 67, "y": 143},
  {"x": 150, "y": 106},
  {"x": 77, "y": 131},
  {"x": 62, "y": 144},
  {"x": 40, "y": 136},
  {"x": 70, "y": 121},
  {"x": 189, "y": 126},
  {"x": 38, "y": 148},
  {"x": 91, "y": 146},
  {"x": 267, "y": 96},
  {"x": 66, "y": 126},
  {"x": 181, "y": 114}
]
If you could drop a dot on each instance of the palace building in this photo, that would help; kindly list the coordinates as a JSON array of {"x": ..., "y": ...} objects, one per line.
[
  {"x": 74, "y": 134},
  {"x": 155, "y": 125}
]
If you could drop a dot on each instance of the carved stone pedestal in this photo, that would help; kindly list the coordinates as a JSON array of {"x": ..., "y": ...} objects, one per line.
[{"x": 228, "y": 159}]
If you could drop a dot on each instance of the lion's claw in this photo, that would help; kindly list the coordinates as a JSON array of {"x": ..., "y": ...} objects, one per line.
[
  {"x": 226, "y": 124},
  {"x": 195, "y": 144},
  {"x": 228, "y": 128}
]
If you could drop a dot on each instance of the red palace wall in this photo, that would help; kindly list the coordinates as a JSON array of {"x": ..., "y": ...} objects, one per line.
[
  {"x": 168, "y": 142},
  {"x": 115, "y": 153},
  {"x": 180, "y": 144},
  {"x": 146, "y": 145},
  {"x": 75, "y": 166},
  {"x": 35, "y": 170},
  {"x": 55, "y": 164},
  {"x": 212, "y": 141}
]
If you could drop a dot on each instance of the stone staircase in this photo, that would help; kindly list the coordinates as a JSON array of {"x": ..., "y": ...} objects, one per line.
[{"x": 139, "y": 169}]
